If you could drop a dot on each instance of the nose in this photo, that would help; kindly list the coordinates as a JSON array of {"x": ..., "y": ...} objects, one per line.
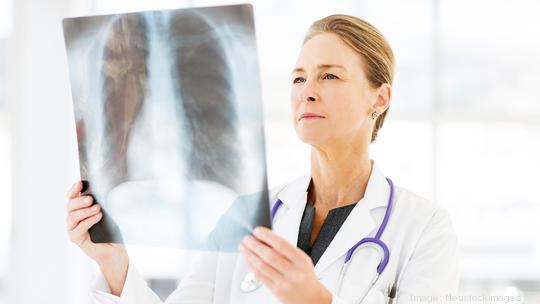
[{"x": 309, "y": 93}]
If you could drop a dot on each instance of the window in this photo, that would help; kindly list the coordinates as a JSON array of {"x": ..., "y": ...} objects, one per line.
[
  {"x": 5, "y": 147},
  {"x": 489, "y": 137},
  {"x": 466, "y": 72}
]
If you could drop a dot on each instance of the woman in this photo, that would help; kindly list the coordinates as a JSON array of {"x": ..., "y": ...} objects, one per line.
[{"x": 341, "y": 91}]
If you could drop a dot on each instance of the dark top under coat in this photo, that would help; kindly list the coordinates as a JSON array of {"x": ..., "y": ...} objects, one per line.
[{"x": 331, "y": 225}]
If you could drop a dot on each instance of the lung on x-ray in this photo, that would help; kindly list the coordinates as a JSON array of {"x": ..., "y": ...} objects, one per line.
[{"x": 169, "y": 125}]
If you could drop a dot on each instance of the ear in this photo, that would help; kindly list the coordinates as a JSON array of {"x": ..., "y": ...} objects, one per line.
[{"x": 384, "y": 94}]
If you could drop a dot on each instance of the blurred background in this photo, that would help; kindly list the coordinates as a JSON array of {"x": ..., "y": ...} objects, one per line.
[{"x": 463, "y": 130}]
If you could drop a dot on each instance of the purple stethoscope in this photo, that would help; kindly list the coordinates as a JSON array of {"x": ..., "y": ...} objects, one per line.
[{"x": 250, "y": 283}]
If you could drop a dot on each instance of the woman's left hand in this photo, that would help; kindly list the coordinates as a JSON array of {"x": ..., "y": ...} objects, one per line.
[{"x": 285, "y": 269}]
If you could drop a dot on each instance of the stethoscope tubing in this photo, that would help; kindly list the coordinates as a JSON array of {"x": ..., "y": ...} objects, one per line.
[{"x": 252, "y": 284}]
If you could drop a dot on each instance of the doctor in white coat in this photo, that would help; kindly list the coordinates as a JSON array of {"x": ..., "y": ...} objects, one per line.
[{"x": 341, "y": 91}]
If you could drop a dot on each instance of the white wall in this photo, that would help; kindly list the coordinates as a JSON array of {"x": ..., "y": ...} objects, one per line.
[{"x": 43, "y": 264}]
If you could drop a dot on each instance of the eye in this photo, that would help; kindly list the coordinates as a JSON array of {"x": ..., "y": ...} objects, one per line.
[
  {"x": 330, "y": 76},
  {"x": 298, "y": 80}
]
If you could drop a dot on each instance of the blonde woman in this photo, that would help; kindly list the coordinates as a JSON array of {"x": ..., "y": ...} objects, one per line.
[{"x": 342, "y": 233}]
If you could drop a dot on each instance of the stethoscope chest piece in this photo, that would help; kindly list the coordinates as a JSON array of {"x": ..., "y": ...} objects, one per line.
[{"x": 250, "y": 283}]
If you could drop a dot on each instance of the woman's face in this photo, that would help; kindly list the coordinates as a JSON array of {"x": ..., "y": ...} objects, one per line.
[{"x": 329, "y": 81}]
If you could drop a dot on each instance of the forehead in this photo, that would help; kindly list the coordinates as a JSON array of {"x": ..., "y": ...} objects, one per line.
[{"x": 328, "y": 48}]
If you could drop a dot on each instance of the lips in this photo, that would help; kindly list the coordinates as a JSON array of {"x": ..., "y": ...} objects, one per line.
[{"x": 308, "y": 115}]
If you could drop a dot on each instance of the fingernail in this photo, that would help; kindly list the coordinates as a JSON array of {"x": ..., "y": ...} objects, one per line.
[
  {"x": 88, "y": 199},
  {"x": 95, "y": 207}
]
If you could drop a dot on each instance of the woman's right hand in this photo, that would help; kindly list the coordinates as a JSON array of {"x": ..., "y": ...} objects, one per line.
[{"x": 82, "y": 214}]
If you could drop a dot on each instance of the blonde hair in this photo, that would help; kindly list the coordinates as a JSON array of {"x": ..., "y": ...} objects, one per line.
[{"x": 366, "y": 40}]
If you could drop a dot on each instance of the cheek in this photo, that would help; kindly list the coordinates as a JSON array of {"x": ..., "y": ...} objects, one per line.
[
  {"x": 295, "y": 102},
  {"x": 341, "y": 102},
  {"x": 294, "y": 95},
  {"x": 347, "y": 108}
]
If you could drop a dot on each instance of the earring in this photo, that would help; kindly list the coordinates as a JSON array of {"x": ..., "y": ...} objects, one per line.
[{"x": 374, "y": 115}]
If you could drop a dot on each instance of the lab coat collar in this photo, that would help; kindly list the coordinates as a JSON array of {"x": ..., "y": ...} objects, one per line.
[{"x": 359, "y": 224}]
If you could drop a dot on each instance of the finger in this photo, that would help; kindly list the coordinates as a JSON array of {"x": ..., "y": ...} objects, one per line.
[
  {"x": 80, "y": 202},
  {"x": 267, "y": 254},
  {"x": 86, "y": 224},
  {"x": 75, "y": 190},
  {"x": 278, "y": 243},
  {"x": 265, "y": 273},
  {"x": 75, "y": 217}
]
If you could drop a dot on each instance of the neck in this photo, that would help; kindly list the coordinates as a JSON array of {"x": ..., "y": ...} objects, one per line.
[{"x": 339, "y": 176}]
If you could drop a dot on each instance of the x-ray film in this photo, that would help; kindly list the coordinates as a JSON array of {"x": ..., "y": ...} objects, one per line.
[{"x": 169, "y": 125}]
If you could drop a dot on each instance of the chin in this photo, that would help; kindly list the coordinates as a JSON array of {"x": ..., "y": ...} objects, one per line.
[{"x": 310, "y": 137}]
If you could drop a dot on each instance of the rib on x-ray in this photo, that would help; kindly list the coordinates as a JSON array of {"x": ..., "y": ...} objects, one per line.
[{"x": 169, "y": 124}]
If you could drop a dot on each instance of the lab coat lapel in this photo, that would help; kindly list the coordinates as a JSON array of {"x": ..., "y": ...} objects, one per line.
[
  {"x": 288, "y": 217},
  {"x": 360, "y": 223},
  {"x": 286, "y": 224},
  {"x": 357, "y": 226}
]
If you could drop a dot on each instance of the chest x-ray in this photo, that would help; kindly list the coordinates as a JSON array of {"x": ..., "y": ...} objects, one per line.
[{"x": 169, "y": 124}]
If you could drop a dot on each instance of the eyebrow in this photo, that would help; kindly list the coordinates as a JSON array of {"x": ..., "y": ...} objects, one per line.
[{"x": 321, "y": 67}]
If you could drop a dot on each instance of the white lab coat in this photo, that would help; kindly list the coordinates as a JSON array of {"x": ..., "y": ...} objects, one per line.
[{"x": 423, "y": 263}]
